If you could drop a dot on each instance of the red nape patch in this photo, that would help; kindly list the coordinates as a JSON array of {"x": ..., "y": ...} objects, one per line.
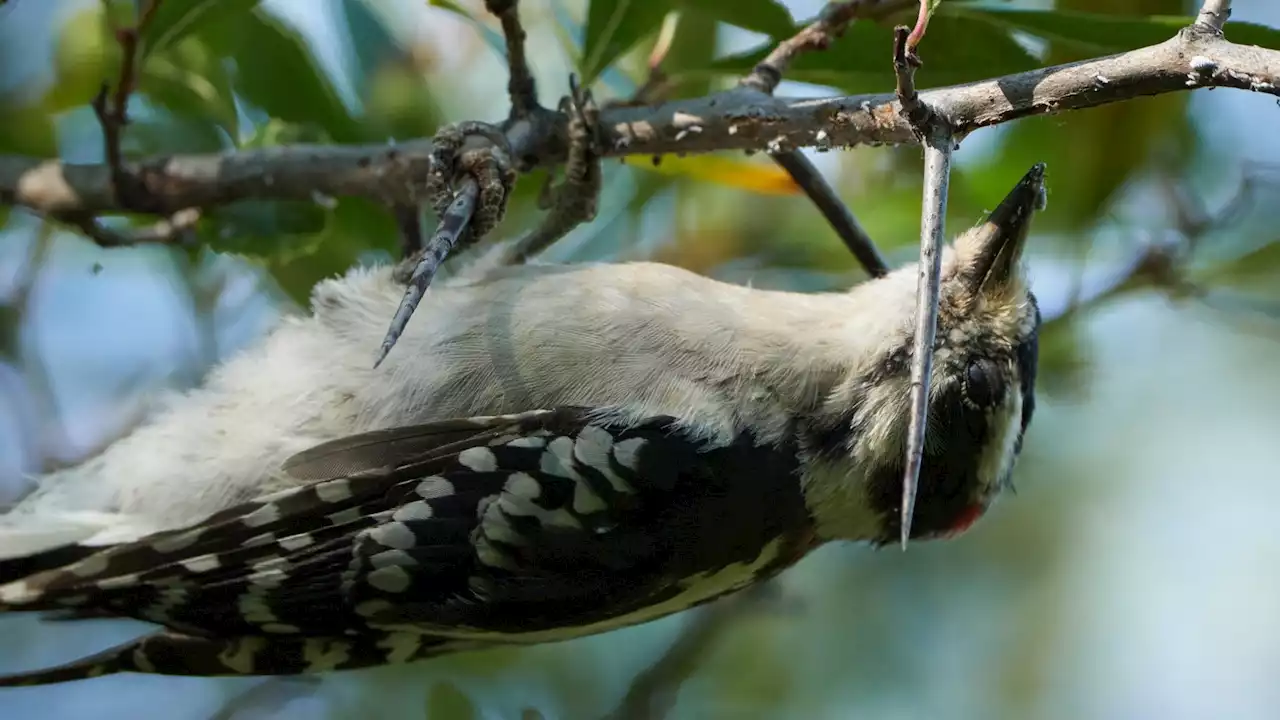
[{"x": 966, "y": 519}]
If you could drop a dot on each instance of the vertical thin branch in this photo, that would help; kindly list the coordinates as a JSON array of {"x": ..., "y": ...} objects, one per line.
[
  {"x": 937, "y": 176},
  {"x": 1214, "y": 14},
  {"x": 937, "y": 136},
  {"x": 520, "y": 84},
  {"x": 838, "y": 215},
  {"x": 765, "y": 76}
]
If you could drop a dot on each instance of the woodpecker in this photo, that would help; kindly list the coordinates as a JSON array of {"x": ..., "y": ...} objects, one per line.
[{"x": 553, "y": 451}]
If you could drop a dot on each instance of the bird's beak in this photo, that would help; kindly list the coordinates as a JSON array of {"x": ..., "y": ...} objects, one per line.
[{"x": 1001, "y": 238}]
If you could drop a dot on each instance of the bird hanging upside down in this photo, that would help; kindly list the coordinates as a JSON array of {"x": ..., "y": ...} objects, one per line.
[{"x": 552, "y": 451}]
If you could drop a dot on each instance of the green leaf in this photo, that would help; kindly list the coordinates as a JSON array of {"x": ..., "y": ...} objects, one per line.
[
  {"x": 371, "y": 39},
  {"x": 276, "y": 132},
  {"x": 767, "y": 17},
  {"x": 354, "y": 227},
  {"x": 265, "y": 228},
  {"x": 1256, "y": 268},
  {"x": 164, "y": 133},
  {"x": 613, "y": 28},
  {"x": 1096, "y": 33},
  {"x": 28, "y": 129},
  {"x": 277, "y": 71},
  {"x": 85, "y": 54},
  {"x": 189, "y": 80},
  {"x": 959, "y": 49},
  {"x": 175, "y": 19},
  {"x": 397, "y": 101},
  {"x": 446, "y": 701}
]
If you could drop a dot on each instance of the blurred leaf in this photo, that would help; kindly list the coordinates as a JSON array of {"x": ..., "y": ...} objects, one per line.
[
  {"x": 491, "y": 37},
  {"x": 371, "y": 39},
  {"x": 1256, "y": 268},
  {"x": 1099, "y": 33},
  {"x": 275, "y": 132},
  {"x": 163, "y": 133},
  {"x": 613, "y": 28},
  {"x": 85, "y": 55},
  {"x": 960, "y": 49},
  {"x": 446, "y": 701},
  {"x": 398, "y": 103},
  {"x": 28, "y": 129},
  {"x": 757, "y": 177},
  {"x": 767, "y": 17},
  {"x": 265, "y": 228},
  {"x": 189, "y": 80},
  {"x": 1092, "y": 154},
  {"x": 175, "y": 19},
  {"x": 277, "y": 72},
  {"x": 354, "y": 227},
  {"x": 1065, "y": 361}
]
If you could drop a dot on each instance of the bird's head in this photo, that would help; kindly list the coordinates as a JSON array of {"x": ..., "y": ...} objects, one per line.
[{"x": 982, "y": 384}]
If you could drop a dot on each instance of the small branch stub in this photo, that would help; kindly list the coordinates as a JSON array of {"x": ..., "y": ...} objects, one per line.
[{"x": 1214, "y": 14}]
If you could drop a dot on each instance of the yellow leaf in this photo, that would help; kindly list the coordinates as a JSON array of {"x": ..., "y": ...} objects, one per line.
[{"x": 756, "y": 177}]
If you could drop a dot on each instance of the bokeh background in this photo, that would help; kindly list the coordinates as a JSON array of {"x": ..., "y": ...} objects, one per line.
[{"x": 1136, "y": 573}]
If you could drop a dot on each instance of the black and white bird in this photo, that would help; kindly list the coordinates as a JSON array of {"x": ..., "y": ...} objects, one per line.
[{"x": 553, "y": 451}]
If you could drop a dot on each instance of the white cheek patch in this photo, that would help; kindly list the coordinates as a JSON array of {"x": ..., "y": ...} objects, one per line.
[{"x": 1004, "y": 423}]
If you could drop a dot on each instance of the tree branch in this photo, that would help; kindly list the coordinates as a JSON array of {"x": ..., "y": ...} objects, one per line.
[
  {"x": 520, "y": 84},
  {"x": 1214, "y": 14},
  {"x": 838, "y": 215},
  {"x": 938, "y": 137},
  {"x": 765, "y": 76},
  {"x": 831, "y": 24},
  {"x": 735, "y": 119}
]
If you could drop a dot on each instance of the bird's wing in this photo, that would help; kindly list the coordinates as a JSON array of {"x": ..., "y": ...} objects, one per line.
[{"x": 519, "y": 528}]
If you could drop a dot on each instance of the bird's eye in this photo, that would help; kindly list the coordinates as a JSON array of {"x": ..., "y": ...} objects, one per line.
[{"x": 980, "y": 383}]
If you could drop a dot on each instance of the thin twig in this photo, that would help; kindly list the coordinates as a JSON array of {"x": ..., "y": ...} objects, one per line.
[
  {"x": 818, "y": 35},
  {"x": 938, "y": 138},
  {"x": 1214, "y": 14},
  {"x": 452, "y": 224},
  {"x": 937, "y": 174},
  {"x": 409, "y": 223},
  {"x": 113, "y": 113},
  {"x": 905, "y": 63},
  {"x": 175, "y": 229},
  {"x": 653, "y": 692},
  {"x": 657, "y": 85},
  {"x": 838, "y": 214},
  {"x": 520, "y": 85},
  {"x": 922, "y": 25}
]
